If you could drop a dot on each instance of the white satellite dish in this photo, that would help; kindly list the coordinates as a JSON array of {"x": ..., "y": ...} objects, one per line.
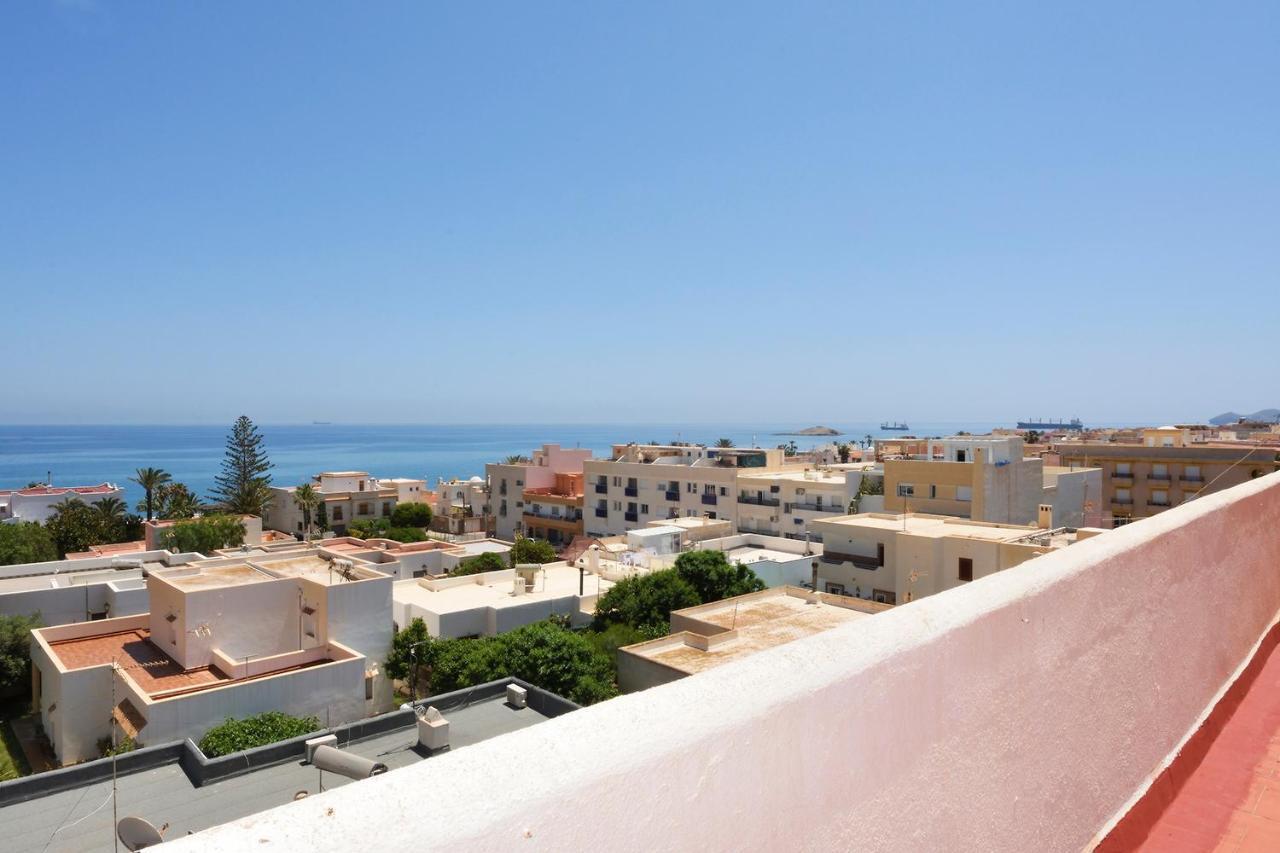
[{"x": 136, "y": 833}]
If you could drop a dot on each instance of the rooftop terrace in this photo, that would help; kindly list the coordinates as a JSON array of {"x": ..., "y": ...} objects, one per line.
[{"x": 1028, "y": 710}]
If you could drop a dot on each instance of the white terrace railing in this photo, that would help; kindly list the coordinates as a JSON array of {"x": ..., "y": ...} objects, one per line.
[{"x": 1023, "y": 711}]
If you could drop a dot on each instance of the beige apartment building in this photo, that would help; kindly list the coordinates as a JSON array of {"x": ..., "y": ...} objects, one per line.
[
  {"x": 539, "y": 476},
  {"x": 348, "y": 496},
  {"x": 986, "y": 478},
  {"x": 640, "y": 483},
  {"x": 894, "y": 558},
  {"x": 1142, "y": 480},
  {"x": 784, "y": 503}
]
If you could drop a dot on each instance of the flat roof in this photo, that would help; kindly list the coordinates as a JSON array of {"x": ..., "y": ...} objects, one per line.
[
  {"x": 72, "y": 820},
  {"x": 755, "y": 554},
  {"x": 556, "y": 581},
  {"x": 207, "y": 577},
  {"x": 760, "y": 621},
  {"x": 935, "y": 526},
  {"x": 814, "y": 476}
]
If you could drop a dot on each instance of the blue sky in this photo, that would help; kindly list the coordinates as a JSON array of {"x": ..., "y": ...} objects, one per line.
[{"x": 607, "y": 212}]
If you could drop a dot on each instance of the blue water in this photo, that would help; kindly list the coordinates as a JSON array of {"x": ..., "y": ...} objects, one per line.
[{"x": 78, "y": 455}]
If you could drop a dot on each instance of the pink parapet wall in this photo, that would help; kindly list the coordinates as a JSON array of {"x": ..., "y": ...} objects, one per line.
[{"x": 1024, "y": 711}]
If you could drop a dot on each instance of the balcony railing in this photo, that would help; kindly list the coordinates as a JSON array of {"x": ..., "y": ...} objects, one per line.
[
  {"x": 756, "y": 501},
  {"x": 602, "y": 488},
  {"x": 673, "y": 496},
  {"x": 631, "y": 492},
  {"x": 1122, "y": 501},
  {"x": 1158, "y": 503},
  {"x": 808, "y": 507},
  {"x": 709, "y": 500},
  {"x": 546, "y": 516},
  {"x": 602, "y": 513},
  {"x": 860, "y": 560},
  {"x": 1161, "y": 477},
  {"x": 631, "y": 516}
]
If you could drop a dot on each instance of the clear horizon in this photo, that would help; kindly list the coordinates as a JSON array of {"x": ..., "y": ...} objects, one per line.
[{"x": 648, "y": 213}]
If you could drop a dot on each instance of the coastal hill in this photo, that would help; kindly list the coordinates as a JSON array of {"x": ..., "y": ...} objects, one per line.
[
  {"x": 1232, "y": 417},
  {"x": 813, "y": 430}
]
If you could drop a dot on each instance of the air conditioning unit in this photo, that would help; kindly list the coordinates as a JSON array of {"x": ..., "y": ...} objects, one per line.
[{"x": 517, "y": 696}]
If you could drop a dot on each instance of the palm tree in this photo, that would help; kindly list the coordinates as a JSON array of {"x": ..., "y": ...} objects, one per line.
[
  {"x": 151, "y": 479},
  {"x": 307, "y": 499},
  {"x": 724, "y": 442},
  {"x": 515, "y": 459},
  {"x": 113, "y": 512}
]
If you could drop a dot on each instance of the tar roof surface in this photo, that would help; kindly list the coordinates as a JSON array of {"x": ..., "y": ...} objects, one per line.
[{"x": 165, "y": 794}]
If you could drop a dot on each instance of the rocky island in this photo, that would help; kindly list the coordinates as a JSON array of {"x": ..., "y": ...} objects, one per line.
[{"x": 813, "y": 430}]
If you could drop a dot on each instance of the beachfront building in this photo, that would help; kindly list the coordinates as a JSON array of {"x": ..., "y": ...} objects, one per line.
[
  {"x": 489, "y": 603},
  {"x": 1165, "y": 470},
  {"x": 987, "y": 478},
  {"x": 462, "y": 508},
  {"x": 899, "y": 557},
  {"x": 347, "y": 495},
  {"x": 640, "y": 483},
  {"x": 551, "y": 472},
  {"x": 226, "y": 637},
  {"x": 714, "y": 634},
  {"x": 38, "y": 503}
]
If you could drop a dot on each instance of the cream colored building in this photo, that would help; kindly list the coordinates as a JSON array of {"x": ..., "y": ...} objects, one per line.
[
  {"x": 508, "y": 482},
  {"x": 717, "y": 633},
  {"x": 348, "y": 496},
  {"x": 896, "y": 557},
  {"x": 227, "y": 637},
  {"x": 784, "y": 503},
  {"x": 986, "y": 478},
  {"x": 640, "y": 483}
]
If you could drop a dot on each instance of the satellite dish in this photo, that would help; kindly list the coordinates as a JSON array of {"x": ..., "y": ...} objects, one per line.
[{"x": 136, "y": 833}]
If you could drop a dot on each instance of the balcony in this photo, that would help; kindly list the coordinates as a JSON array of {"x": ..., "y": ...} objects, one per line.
[
  {"x": 859, "y": 560},
  {"x": 1082, "y": 666},
  {"x": 1122, "y": 501},
  {"x": 1125, "y": 479},
  {"x": 602, "y": 488},
  {"x": 548, "y": 518},
  {"x": 1159, "y": 478},
  {"x": 810, "y": 507},
  {"x": 755, "y": 501},
  {"x": 631, "y": 492},
  {"x": 709, "y": 500},
  {"x": 1160, "y": 504},
  {"x": 672, "y": 496},
  {"x": 602, "y": 513},
  {"x": 631, "y": 516}
]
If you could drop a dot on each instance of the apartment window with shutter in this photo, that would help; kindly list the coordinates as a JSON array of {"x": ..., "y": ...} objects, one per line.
[
  {"x": 880, "y": 553},
  {"x": 966, "y": 569},
  {"x": 337, "y": 513}
]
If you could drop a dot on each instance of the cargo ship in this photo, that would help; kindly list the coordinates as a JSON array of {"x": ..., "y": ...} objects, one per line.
[
  {"x": 1074, "y": 423},
  {"x": 894, "y": 425}
]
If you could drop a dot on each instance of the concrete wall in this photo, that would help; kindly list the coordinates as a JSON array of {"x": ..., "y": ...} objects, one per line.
[{"x": 1020, "y": 712}]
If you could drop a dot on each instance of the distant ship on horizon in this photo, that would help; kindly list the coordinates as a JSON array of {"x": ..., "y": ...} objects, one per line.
[
  {"x": 895, "y": 425},
  {"x": 1074, "y": 423},
  {"x": 321, "y": 423}
]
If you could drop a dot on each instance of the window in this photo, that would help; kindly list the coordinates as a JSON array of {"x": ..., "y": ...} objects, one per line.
[
  {"x": 1122, "y": 496},
  {"x": 709, "y": 489},
  {"x": 723, "y": 491},
  {"x": 1160, "y": 471},
  {"x": 964, "y": 493},
  {"x": 644, "y": 508},
  {"x": 362, "y": 509},
  {"x": 691, "y": 488},
  {"x": 711, "y": 515},
  {"x": 906, "y": 490},
  {"x": 337, "y": 513},
  {"x": 933, "y": 491},
  {"x": 1159, "y": 497},
  {"x": 368, "y": 687},
  {"x": 966, "y": 569},
  {"x": 835, "y": 588},
  {"x": 617, "y": 506},
  {"x": 617, "y": 481},
  {"x": 1191, "y": 472},
  {"x": 1123, "y": 469},
  {"x": 386, "y": 508},
  {"x": 879, "y": 553}
]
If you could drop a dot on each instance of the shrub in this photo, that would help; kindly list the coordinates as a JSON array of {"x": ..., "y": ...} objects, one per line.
[
  {"x": 236, "y": 735},
  {"x": 105, "y": 750},
  {"x": 204, "y": 535},
  {"x": 25, "y": 542},
  {"x": 15, "y": 653},
  {"x": 532, "y": 551},
  {"x": 645, "y": 603},
  {"x": 406, "y": 534},
  {"x": 714, "y": 577},
  {"x": 486, "y": 562},
  {"x": 411, "y": 515},
  {"x": 369, "y": 528}
]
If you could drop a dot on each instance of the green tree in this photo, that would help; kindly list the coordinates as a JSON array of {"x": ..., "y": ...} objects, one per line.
[
  {"x": 203, "y": 535},
  {"x": 176, "y": 500},
  {"x": 411, "y": 515},
  {"x": 370, "y": 528},
  {"x": 406, "y": 534},
  {"x": 843, "y": 450},
  {"x": 409, "y": 659},
  {"x": 150, "y": 479},
  {"x": 25, "y": 542},
  {"x": 868, "y": 486},
  {"x": 527, "y": 550},
  {"x": 15, "y": 653},
  {"x": 307, "y": 499},
  {"x": 515, "y": 459},
  {"x": 113, "y": 515},
  {"x": 486, "y": 562},
  {"x": 75, "y": 526},
  {"x": 1031, "y": 436},
  {"x": 235, "y": 735},
  {"x": 724, "y": 442},
  {"x": 714, "y": 578},
  {"x": 645, "y": 602},
  {"x": 244, "y": 486}
]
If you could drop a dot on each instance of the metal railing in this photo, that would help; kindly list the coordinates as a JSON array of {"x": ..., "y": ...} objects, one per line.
[
  {"x": 709, "y": 500},
  {"x": 757, "y": 501}
]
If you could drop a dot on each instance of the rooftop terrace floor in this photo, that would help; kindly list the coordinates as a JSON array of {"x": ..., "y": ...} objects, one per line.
[
  {"x": 165, "y": 794},
  {"x": 1228, "y": 800},
  {"x": 150, "y": 668}
]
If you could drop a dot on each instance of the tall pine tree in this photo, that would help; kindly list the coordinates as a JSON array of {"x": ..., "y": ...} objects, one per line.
[{"x": 244, "y": 486}]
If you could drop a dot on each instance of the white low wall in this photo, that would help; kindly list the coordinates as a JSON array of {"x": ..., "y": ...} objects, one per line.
[{"x": 1020, "y": 712}]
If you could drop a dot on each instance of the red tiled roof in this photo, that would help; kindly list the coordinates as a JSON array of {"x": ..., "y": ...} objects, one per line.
[{"x": 55, "y": 491}]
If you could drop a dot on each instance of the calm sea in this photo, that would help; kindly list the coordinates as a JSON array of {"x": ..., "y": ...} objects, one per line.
[{"x": 76, "y": 455}]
